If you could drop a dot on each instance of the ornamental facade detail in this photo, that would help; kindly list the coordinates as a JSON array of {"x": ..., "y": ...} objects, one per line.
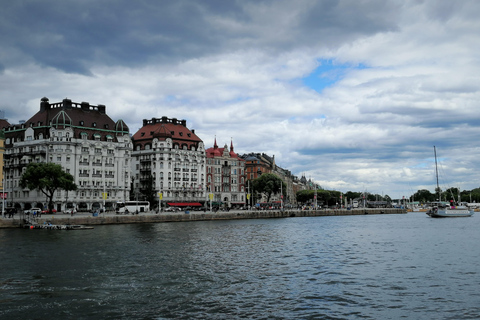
[{"x": 81, "y": 138}]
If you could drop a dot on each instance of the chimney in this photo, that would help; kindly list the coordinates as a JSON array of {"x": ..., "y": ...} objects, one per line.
[
  {"x": 44, "y": 105},
  {"x": 85, "y": 106},
  {"x": 102, "y": 108},
  {"x": 67, "y": 103}
]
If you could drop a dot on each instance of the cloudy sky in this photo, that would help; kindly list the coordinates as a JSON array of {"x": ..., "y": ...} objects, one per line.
[{"x": 351, "y": 94}]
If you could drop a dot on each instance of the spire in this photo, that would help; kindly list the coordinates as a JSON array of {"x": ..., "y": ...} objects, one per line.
[
  {"x": 215, "y": 146},
  {"x": 232, "y": 153}
]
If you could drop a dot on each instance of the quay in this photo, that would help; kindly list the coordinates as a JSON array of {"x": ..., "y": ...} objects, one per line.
[{"x": 87, "y": 219}]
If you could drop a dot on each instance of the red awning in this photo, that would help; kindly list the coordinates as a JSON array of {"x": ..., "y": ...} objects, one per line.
[{"x": 184, "y": 204}]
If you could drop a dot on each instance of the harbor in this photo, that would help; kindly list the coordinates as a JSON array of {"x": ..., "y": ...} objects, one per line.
[
  {"x": 89, "y": 219},
  {"x": 375, "y": 266}
]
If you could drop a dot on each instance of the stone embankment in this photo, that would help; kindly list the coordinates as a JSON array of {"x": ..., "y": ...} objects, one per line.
[{"x": 112, "y": 218}]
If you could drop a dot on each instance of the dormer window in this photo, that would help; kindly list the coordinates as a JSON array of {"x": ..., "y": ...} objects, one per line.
[
  {"x": 180, "y": 133},
  {"x": 94, "y": 124},
  {"x": 81, "y": 122},
  {"x": 106, "y": 125}
]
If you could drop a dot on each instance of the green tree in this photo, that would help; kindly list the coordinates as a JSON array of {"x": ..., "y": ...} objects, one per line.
[
  {"x": 268, "y": 184},
  {"x": 304, "y": 196},
  {"x": 47, "y": 178},
  {"x": 424, "y": 195}
]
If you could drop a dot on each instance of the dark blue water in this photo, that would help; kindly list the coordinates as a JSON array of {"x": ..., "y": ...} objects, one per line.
[{"x": 353, "y": 267}]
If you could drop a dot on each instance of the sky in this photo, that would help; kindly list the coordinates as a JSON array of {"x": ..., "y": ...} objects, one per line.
[{"x": 353, "y": 94}]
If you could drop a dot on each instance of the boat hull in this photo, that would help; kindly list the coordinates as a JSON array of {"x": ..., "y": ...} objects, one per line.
[{"x": 450, "y": 213}]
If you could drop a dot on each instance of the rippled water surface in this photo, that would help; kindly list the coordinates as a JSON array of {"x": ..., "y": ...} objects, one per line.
[{"x": 353, "y": 267}]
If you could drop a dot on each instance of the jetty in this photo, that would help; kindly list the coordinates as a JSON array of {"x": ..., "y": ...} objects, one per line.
[{"x": 75, "y": 222}]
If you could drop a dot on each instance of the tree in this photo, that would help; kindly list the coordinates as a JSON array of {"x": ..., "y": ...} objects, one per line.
[
  {"x": 304, "y": 196},
  {"x": 424, "y": 195},
  {"x": 47, "y": 178},
  {"x": 268, "y": 184}
]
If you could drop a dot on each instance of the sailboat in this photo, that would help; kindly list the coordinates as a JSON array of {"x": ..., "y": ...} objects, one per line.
[{"x": 444, "y": 211}]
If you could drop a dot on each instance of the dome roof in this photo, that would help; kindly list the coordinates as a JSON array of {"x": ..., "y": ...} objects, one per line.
[
  {"x": 61, "y": 119},
  {"x": 121, "y": 126}
]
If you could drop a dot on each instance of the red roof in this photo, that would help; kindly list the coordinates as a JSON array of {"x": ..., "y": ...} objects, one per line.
[
  {"x": 166, "y": 128},
  {"x": 218, "y": 152}
]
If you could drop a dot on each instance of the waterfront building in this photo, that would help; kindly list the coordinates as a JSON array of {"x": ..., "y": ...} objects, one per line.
[
  {"x": 226, "y": 177},
  {"x": 260, "y": 163},
  {"x": 3, "y": 124},
  {"x": 168, "y": 164},
  {"x": 81, "y": 138}
]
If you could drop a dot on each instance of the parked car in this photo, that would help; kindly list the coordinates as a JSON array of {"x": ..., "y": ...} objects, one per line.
[
  {"x": 32, "y": 210},
  {"x": 48, "y": 211}
]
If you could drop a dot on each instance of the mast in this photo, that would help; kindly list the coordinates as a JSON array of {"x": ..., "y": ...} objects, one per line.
[{"x": 436, "y": 174}]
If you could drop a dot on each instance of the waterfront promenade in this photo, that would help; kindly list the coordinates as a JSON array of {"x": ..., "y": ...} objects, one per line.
[{"x": 88, "y": 219}]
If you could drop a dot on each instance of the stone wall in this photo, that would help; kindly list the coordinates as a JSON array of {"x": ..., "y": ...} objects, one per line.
[{"x": 183, "y": 217}]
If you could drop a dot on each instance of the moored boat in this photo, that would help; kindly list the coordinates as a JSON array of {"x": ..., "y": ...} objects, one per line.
[{"x": 444, "y": 211}]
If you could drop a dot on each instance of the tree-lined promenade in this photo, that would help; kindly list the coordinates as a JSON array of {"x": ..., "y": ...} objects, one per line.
[{"x": 49, "y": 177}]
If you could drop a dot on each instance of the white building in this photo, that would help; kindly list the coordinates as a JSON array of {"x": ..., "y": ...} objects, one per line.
[
  {"x": 168, "y": 164},
  {"x": 81, "y": 138}
]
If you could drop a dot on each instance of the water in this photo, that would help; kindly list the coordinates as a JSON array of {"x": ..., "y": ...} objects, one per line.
[{"x": 353, "y": 267}]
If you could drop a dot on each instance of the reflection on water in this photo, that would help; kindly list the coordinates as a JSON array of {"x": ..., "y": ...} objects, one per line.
[{"x": 371, "y": 267}]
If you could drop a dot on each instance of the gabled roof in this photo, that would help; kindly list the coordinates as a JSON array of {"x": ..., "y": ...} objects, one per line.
[{"x": 216, "y": 152}]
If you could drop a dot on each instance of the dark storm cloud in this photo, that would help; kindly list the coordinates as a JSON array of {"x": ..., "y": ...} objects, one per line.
[{"x": 74, "y": 35}]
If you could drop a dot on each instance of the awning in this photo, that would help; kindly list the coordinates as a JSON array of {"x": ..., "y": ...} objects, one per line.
[{"x": 184, "y": 204}]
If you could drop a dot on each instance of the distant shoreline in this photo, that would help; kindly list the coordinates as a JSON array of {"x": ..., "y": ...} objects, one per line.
[{"x": 88, "y": 219}]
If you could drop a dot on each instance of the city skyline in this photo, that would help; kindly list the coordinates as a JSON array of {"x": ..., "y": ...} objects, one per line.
[{"x": 353, "y": 95}]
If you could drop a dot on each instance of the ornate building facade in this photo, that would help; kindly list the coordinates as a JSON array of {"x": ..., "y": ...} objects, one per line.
[
  {"x": 260, "y": 163},
  {"x": 226, "y": 177},
  {"x": 81, "y": 138},
  {"x": 168, "y": 160}
]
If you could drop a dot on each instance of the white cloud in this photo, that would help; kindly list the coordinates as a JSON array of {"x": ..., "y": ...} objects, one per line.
[{"x": 235, "y": 73}]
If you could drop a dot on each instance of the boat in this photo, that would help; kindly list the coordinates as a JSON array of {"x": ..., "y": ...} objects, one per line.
[
  {"x": 56, "y": 226},
  {"x": 443, "y": 210},
  {"x": 28, "y": 224}
]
